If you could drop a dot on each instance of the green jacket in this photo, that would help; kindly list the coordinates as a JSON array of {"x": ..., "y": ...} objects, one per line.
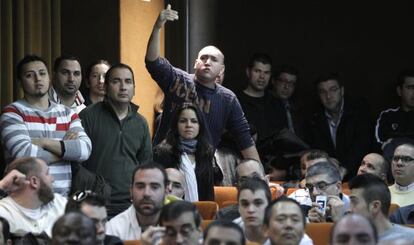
[{"x": 117, "y": 146}]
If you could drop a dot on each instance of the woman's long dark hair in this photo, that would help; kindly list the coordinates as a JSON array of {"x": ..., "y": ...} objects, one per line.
[{"x": 204, "y": 151}]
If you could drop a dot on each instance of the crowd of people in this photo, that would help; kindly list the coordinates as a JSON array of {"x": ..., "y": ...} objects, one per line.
[{"x": 83, "y": 168}]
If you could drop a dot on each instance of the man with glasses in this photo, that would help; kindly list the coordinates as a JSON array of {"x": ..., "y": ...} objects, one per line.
[
  {"x": 402, "y": 166},
  {"x": 180, "y": 223},
  {"x": 323, "y": 179},
  {"x": 341, "y": 126},
  {"x": 283, "y": 84},
  {"x": 93, "y": 206}
]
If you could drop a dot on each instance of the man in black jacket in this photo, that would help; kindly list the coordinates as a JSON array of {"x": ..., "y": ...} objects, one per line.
[{"x": 341, "y": 126}]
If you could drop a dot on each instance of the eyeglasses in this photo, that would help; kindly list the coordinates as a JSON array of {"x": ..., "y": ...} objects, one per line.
[
  {"x": 404, "y": 159},
  {"x": 320, "y": 186},
  {"x": 79, "y": 196},
  {"x": 185, "y": 231}
]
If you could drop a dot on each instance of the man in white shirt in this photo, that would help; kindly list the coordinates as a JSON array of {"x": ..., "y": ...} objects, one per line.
[
  {"x": 402, "y": 166},
  {"x": 148, "y": 190},
  {"x": 31, "y": 205}
]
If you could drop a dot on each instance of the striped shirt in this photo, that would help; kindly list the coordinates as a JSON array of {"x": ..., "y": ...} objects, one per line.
[{"x": 21, "y": 122}]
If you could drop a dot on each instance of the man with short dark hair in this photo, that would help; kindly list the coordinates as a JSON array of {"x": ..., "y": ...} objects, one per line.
[
  {"x": 283, "y": 83},
  {"x": 74, "y": 228},
  {"x": 119, "y": 134},
  {"x": 371, "y": 198},
  {"x": 93, "y": 206},
  {"x": 354, "y": 229},
  {"x": 247, "y": 168},
  {"x": 341, "y": 125},
  {"x": 255, "y": 100},
  {"x": 148, "y": 189},
  {"x": 394, "y": 123},
  {"x": 37, "y": 127},
  {"x": 67, "y": 78},
  {"x": 402, "y": 166},
  {"x": 284, "y": 223},
  {"x": 223, "y": 232},
  {"x": 219, "y": 105},
  {"x": 182, "y": 223},
  {"x": 31, "y": 205}
]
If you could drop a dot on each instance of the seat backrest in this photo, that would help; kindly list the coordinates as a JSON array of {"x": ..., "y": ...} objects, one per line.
[
  {"x": 291, "y": 190},
  {"x": 204, "y": 223},
  {"x": 392, "y": 208},
  {"x": 224, "y": 193},
  {"x": 319, "y": 232},
  {"x": 207, "y": 209}
]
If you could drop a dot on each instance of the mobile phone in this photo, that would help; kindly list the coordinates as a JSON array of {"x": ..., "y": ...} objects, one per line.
[{"x": 321, "y": 201}]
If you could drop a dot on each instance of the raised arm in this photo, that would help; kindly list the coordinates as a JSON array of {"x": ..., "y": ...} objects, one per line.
[{"x": 153, "y": 48}]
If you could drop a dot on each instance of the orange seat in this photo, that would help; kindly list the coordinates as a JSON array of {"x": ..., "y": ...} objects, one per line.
[
  {"x": 228, "y": 203},
  {"x": 392, "y": 208},
  {"x": 132, "y": 242},
  {"x": 291, "y": 190},
  {"x": 224, "y": 193},
  {"x": 319, "y": 232},
  {"x": 273, "y": 190},
  {"x": 204, "y": 223},
  {"x": 207, "y": 209}
]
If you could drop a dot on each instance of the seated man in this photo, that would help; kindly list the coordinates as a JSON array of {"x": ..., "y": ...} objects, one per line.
[
  {"x": 223, "y": 232},
  {"x": 354, "y": 229},
  {"x": 254, "y": 196},
  {"x": 284, "y": 223},
  {"x": 307, "y": 159},
  {"x": 247, "y": 168},
  {"x": 176, "y": 183},
  {"x": 180, "y": 224},
  {"x": 93, "y": 206},
  {"x": 323, "y": 179},
  {"x": 402, "y": 192},
  {"x": 74, "y": 228},
  {"x": 148, "y": 190},
  {"x": 371, "y": 198},
  {"x": 374, "y": 163},
  {"x": 31, "y": 205}
]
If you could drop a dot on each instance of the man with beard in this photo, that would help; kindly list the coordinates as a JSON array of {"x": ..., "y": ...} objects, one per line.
[
  {"x": 37, "y": 127},
  {"x": 31, "y": 206},
  {"x": 148, "y": 190},
  {"x": 67, "y": 78}
]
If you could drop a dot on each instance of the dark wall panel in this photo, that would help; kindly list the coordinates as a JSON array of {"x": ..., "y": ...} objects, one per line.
[
  {"x": 90, "y": 30},
  {"x": 367, "y": 43}
]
